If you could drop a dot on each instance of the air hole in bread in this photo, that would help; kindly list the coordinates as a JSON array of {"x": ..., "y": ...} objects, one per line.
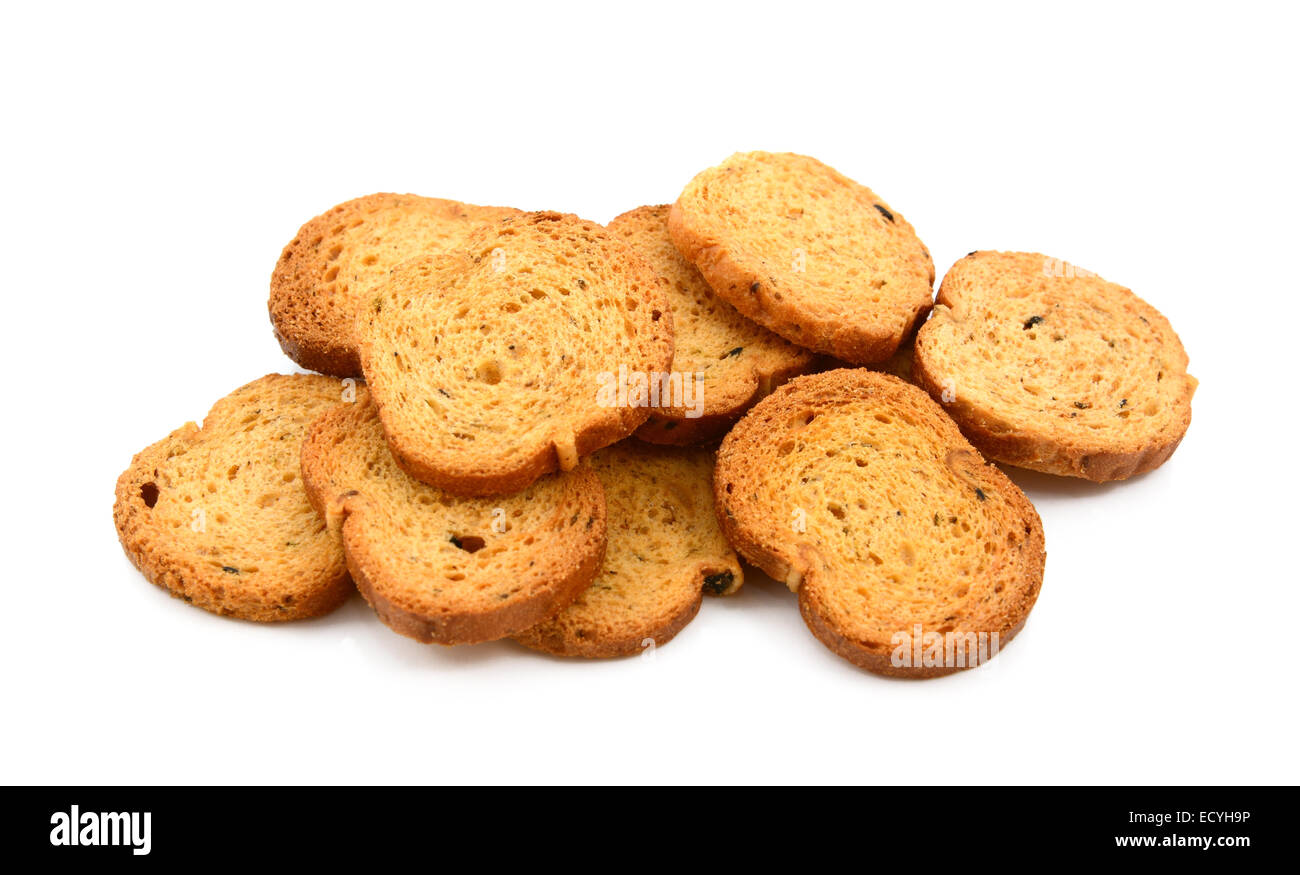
[
  {"x": 490, "y": 372},
  {"x": 149, "y": 494}
]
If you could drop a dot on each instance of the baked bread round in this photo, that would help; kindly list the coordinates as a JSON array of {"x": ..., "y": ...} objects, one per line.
[
  {"x": 856, "y": 490},
  {"x": 218, "y": 516},
  {"x": 1049, "y": 367},
  {"x": 806, "y": 252}
]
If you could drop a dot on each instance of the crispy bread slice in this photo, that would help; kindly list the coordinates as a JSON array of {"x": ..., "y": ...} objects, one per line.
[
  {"x": 665, "y": 550},
  {"x": 1049, "y": 367},
  {"x": 218, "y": 517},
  {"x": 806, "y": 252},
  {"x": 855, "y": 489},
  {"x": 443, "y": 569},
  {"x": 501, "y": 362},
  {"x": 325, "y": 274},
  {"x": 730, "y": 361}
]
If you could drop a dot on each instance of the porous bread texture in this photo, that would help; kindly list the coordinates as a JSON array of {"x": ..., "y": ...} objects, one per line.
[
  {"x": 806, "y": 252},
  {"x": 730, "y": 361},
  {"x": 218, "y": 517},
  {"x": 856, "y": 489},
  {"x": 443, "y": 569},
  {"x": 325, "y": 274},
  {"x": 664, "y": 551},
  {"x": 488, "y": 364},
  {"x": 1049, "y": 367}
]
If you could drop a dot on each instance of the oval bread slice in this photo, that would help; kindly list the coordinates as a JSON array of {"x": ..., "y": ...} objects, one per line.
[
  {"x": 325, "y": 274},
  {"x": 855, "y": 489},
  {"x": 664, "y": 551},
  {"x": 806, "y": 252},
  {"x": 726, "y": 361},
  {"x": 218, "y": 517},
  {"x": 1049, "y": 367},
  {"x": 502, "y": 362},
  {"x": 438, "y": 568}
]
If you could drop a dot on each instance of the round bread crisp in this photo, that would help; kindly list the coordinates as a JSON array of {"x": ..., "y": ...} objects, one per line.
[
  {"x": 664, "y": 551},
  {"x": 217, "y": 515},
  {"x": 806, "y": 252},
  {"x": 325, "y": 274},
  {"x": 1049, "y": 367},
  {"x": 515, "y": 356},
  {"x": 726, "y": 361},
  {"x": 443, "y": 569},
  {"x": 855, "y": 489}
]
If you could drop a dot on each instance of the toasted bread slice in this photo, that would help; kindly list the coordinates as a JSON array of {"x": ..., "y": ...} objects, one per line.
[
  {"x": 501, "y": 362},
  {"x": 855, "y": 489},
  {"x": 443, "y": 569},
  {"x": 218, "y": 517},
  {"x": 665, "y": 550},
  {"x": 727, "y": 361},
  {"x": 325, "y": 274},
  {"x": 806, "y": 252},
  {"x": 1049, "y": 367}
]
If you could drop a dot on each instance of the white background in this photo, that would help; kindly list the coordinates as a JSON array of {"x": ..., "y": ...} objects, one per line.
[{"x": 156, "y": 160}]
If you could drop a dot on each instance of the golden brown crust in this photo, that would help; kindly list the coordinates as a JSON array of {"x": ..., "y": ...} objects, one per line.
[
  {"x": 194, "y": 531},
  {"x": 860, "y": 566},
  {"x": 858, "y": 313},
  {"x": 483, "y": 376},
  {"x": 325, "y": 273},
  {"x": 408, "y": 545},
  {"x": 555, "y": 639},
  {"x": 665, "y": 550},
  {"x": 874, "y": 659},
  {"x": 1053, "y": 438}
]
